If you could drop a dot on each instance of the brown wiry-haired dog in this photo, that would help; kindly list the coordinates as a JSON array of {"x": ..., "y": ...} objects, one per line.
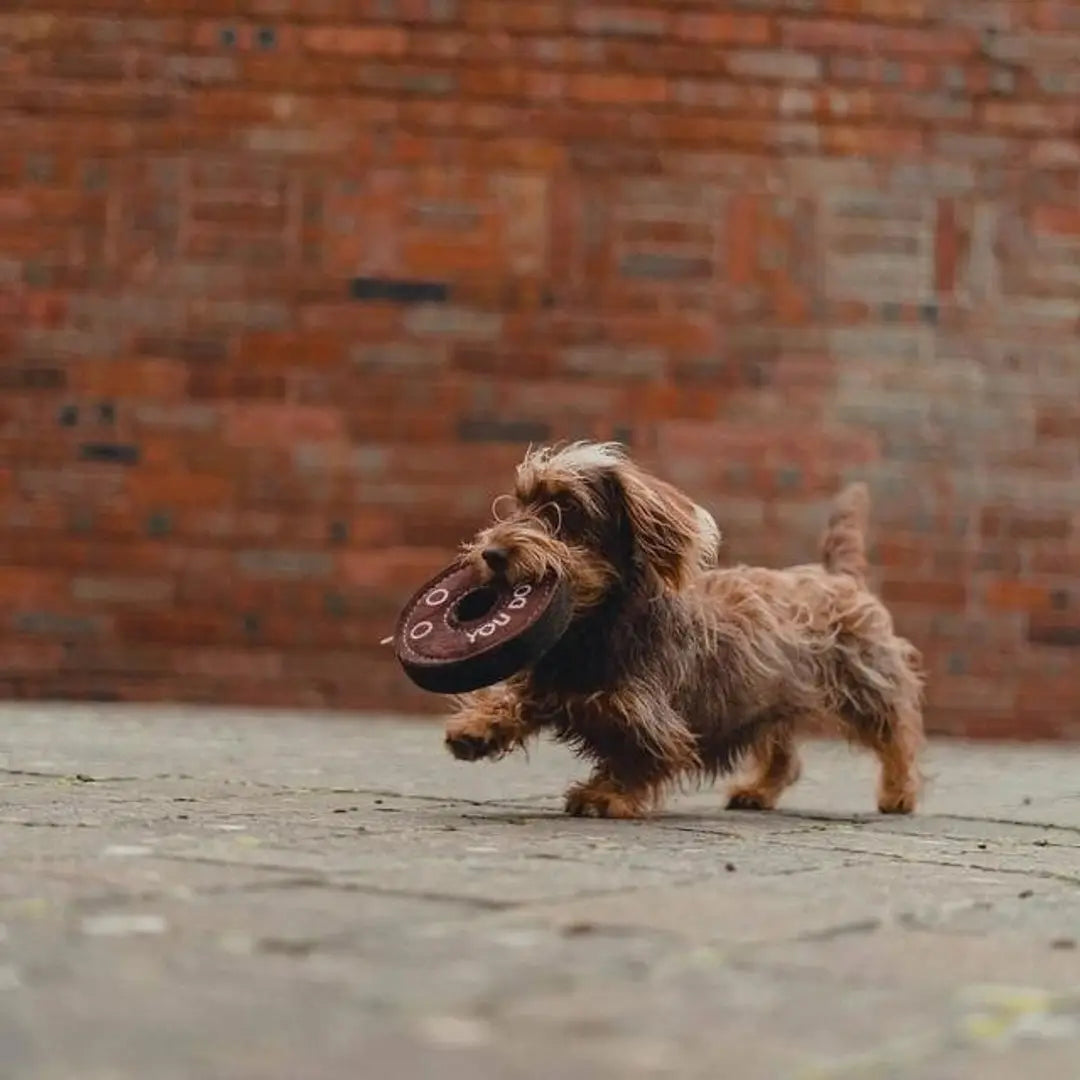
[{"x": 673, "y": 669}]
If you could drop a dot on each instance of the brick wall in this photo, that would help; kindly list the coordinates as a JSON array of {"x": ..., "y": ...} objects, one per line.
[{"x": 286, "y": 284}]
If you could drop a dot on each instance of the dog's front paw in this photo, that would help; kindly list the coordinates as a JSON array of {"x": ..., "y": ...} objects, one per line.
[
  {"x": 897, "y": 802},
  {"x": 472, "y": 738},
  {"x": 468, "y": 747},
  {"x": 749, "y": 799},
  {"x": 602, "y": 800}
]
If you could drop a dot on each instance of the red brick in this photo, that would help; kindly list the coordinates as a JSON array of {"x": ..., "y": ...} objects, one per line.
[
  {"x": 160, "y": 380},
  {"x": 526, "y": 15},
  {"x": 357, "y": 40},
  {"x": 397, "y": 568},
  {"x": 103, "y": 591},
  {"x": 938, "y": 594},
  {"x": 622, "y": 21},
  {"x": 900, "y": 11},
  {"x": 782, "y": 65},
  {"x": 23, "y": 588},
  {"x": 603, "y": 89},
  {"x": 723, "y": 28},
  {"x": 178, "y": 489},
  {"x": 772, "y": 247},
  {"x": 865, "y": 36},
  {"x": 25, "y": 656},
  {"x": 946, "y": 247},
  {"x": 1029, "y": 117},
  {"x": 872, "y": 142},
  {"x": 282, "y": 425},
  {"x": 1030, "y": 725},
  {"x": 1062, "y": 220},
  {"x": 1017, "y": 596},
  {"x": 228, "y": 664}
]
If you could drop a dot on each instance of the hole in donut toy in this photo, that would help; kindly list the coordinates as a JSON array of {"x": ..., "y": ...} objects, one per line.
[{"x": 475, "y": 604}]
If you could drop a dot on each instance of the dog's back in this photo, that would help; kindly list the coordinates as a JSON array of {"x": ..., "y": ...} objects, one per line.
[{"x": 843, "y": 554}]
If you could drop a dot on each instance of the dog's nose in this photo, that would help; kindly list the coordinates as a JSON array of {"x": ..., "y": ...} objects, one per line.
[{"x": 497, "y": 558}]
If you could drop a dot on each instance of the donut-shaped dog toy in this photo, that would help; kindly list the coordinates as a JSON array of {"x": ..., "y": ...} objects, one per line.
[{"x": 459, "y": 633}]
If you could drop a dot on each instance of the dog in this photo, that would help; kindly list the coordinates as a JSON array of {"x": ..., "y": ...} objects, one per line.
[{"x": 674, "y": 668}]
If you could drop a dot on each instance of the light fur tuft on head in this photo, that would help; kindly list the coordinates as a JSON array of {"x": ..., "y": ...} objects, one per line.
[{"x": 568, "y": 464}]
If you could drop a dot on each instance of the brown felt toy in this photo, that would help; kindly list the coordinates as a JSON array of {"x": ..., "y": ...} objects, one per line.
[{"x": 459, "y": 633}]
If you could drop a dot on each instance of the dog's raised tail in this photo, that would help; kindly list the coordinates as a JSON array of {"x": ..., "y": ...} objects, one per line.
[{"x": 843, "y": 545}]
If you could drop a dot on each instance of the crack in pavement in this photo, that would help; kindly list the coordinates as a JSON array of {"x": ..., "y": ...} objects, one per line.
[
  {"x": 73, "y": 778},
  {"x": 1049, "y": 875}
]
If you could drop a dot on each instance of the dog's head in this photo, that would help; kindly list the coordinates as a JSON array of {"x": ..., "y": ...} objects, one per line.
[{"x": 587, "y": 513}]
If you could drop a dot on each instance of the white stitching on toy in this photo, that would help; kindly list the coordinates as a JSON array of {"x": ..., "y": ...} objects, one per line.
[{"x": 521, "y": 592}]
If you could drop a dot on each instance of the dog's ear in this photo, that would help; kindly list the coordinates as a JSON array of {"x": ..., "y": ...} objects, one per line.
[{"x": 667, "y": 527}]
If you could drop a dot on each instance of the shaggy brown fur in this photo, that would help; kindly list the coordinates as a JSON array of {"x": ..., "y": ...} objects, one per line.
[{"x": 673, "y": 669}]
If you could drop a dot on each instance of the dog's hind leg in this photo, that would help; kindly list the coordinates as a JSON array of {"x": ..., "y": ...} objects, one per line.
[
  {"x": 776, "y": 767},
  {"x": 897, "y": 743},
  {"x": 890, "y": 722},
  {"x": 640, "y": 746},
  {"x": 605, "y": 796}
]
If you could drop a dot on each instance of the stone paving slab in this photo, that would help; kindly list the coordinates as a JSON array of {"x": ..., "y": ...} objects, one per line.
[{"x": 254, "y": 896}]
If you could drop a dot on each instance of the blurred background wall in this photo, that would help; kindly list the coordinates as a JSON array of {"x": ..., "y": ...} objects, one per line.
[{"x": 287, "y": 285}]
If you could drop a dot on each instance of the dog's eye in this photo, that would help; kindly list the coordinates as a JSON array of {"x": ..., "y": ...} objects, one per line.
[
  {"x": 551, "y": 515},
  {"x": 571, "y": 516}
]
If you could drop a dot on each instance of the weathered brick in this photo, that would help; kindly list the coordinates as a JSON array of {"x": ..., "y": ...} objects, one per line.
[
  {"x": 121, "y": 590},
  {"x": 621, "y": 21},
  {"x": 780, "y": 64},
  {"x": 662, "y": 266},
  {"x": 399, "y": 357},
  {"x": 605, "y": 89},
  {"x": 453, "y": 323},
  {"x": 285, "y": 565},
  {"x": 724, "y": 28},
  {"x": 357, "y": 40},
  {"x": 55, "y": 625},
  {"x": 490, "y": 430},
  {"x": 282, "y": 425},
  {"x": 866, "y": 36},
  {"x": 1056, "y": 634},
  {"x": 288, "y": 287}
]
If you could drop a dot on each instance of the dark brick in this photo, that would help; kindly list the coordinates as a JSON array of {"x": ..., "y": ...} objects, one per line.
[
  {"x": 1062, "y": 637},
  {"x": 391, "y": 291},
  {"x": 110, "y": 453},
  {"x": 335, "y": 605},
  {"x": 193, "y": 349},
  {"x": 483, "y": 430},
  {"x": 32, "y": 378},
  {"x": 53, "y": 625},
  {"x": 664, "y": 267},
  {"x": 159, "y": 523}
]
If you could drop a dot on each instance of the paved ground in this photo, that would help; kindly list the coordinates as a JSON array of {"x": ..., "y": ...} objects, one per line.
[{"x": 189, "y": 895}]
